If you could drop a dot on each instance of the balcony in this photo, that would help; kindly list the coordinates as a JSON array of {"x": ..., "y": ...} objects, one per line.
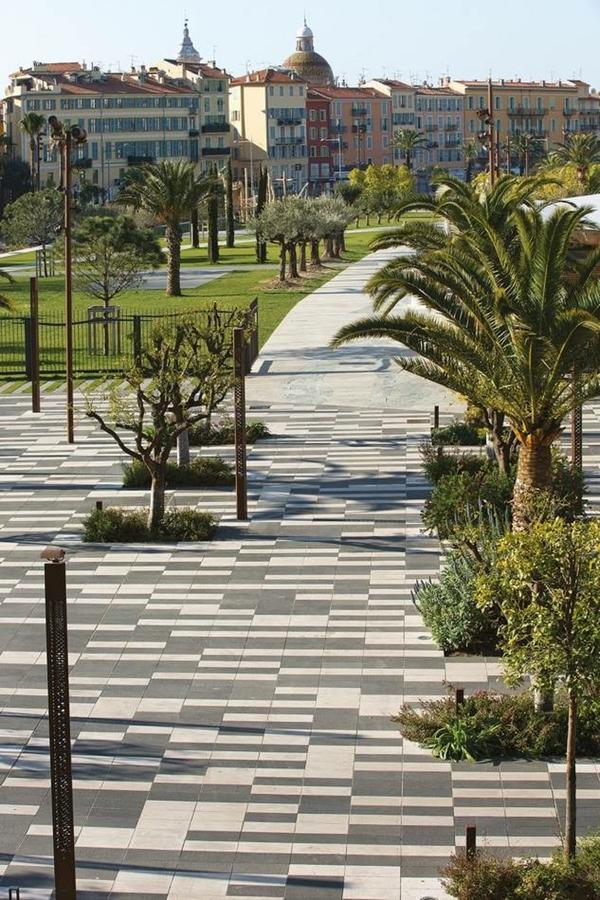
[
  {"x": 284, "y": 120},
  {"x": 85, "y": 163},
  {"x": 215, "y": 128},
  {"x": 289, "y": 140},
  {"x": 140, "y": 160},
  {"x": 337, "y": 129},
  {"x": 194, "y": 133},
  {"x": 569, "y": 112},
  {"x": 451, "y": 127},
  {"x": 216, "y": 151},
  {"x": 430, "y": 128},
  {"x": 521, "y": 111},
  {"x": 360, "y": 111}
]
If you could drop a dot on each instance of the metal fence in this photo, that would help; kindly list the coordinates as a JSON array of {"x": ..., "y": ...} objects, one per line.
[{"x": 106, "y": 342}]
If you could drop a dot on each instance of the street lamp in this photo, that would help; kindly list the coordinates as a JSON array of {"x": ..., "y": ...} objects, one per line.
[{"x": 65, "y": 136}]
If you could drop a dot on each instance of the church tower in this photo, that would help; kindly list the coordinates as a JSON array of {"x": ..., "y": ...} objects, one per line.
[{"x": 188, "y": 53}]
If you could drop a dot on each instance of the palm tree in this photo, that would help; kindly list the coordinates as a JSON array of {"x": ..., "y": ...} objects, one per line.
[
  {"x": 168, "y": 191},
  {"x": 470, "y": 156},
  {"x": 513, "y": 317},
  {"x": 407, "y": 141},
  {"x": 581, "y": 150},
  {"x": 33, "y": 124},
  {"x": 528, "y": 150}
]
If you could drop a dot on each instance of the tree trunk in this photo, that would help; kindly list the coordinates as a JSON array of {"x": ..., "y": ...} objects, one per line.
[
  {"x": 195, "y": 229},
  {"x": 293, "y": 256},
  {"x": 315, "y": 257},
  {"x": 534, "y": 473},
  {"x": 343, "y": 241},
  {"x": 328, "y": 248},
  {"x": 157, "y": 499},
  {"x": 183, "y": 448},
  {"x": 337, "y": 247},
  {"x": 303, "y": 256},
  {"x": 230, "y": 222},
  {"x": 173, "y": 236},
  {"x": 38, "y": 153},
  {"x": 213, "y": 227},
  {"x": 282, "y": 261},
  {"x": 32, "y": 164},
  {"x": 571, "y": 811}
]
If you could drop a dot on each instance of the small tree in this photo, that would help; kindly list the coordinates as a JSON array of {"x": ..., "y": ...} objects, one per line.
[
  {"x": 112, "y": 254},
  {"x": 278, "y": 223},
  {"x": 34, "y": 219},
  {"x": 179, "y": 384},
  {"x": 548, "y": 580}
]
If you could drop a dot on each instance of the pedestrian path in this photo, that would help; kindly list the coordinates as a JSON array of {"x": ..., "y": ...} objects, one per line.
[{"x": 231, "y": 701}]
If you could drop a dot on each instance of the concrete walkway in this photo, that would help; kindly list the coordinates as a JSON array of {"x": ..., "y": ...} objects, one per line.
[
  {"x": 231, "y": 702},
  {"x": 297, "y": 364}
]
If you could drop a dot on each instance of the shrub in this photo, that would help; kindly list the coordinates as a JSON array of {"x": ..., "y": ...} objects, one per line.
[
  {"x": 458, "y": 434},
  {"x": 449, "y": 609},
  {"x": 437, "y": 463},
  {"x": 115, "y": 526},
  {"x": 524, "y": 732},
  {"x": 463, "y": 500},
  {"x": 463, "y": 738},
  {"x": 204, "y": 471},
  {"x": 224, "y": 433},
  {"x": 488, "y": 878}
]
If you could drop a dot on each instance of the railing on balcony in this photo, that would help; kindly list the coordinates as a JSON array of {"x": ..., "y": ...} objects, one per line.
[
  {"x": 338, "y": 129},
  {"x": 83, "y": 163},
  {"x": 569, "y": 112},
  {"x": 360, "y": 111},
  {"x": 216, "y": 151},
  {"x": 215, "y": 128},
  {"x": 139, "y": 160},
  {"x": 289, "y": 120},
  {"x": 430, "y": 128},
  {"x": 289, "y": 140},
  {"x": 522, "y": 111}
]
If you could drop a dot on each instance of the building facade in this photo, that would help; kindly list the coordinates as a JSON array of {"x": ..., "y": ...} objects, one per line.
[
  {"x": 268, "y": 127},
  {"x": 130, "y": 118},
  {"x": 321, "y": 144},
  {"x": 548, "y": 110}
]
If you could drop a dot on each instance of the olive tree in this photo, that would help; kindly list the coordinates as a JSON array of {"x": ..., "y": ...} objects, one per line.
[
  {"x": 548, "y": 583},
  {"x": 180, "y": 381},
  {"x": 34, "y": 219}
]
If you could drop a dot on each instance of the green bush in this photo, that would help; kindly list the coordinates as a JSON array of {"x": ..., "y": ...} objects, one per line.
[
  {"x": 224, "y": 433},
  {"x": 437, "y": 463},
  {"x": 449, "y": 610},
  {"x": 463, "y": 738},
  {"x": 464, "y": 500},
  {"x": 488, "y": 878},
  {"x": 523, "y": 731},
  {"x": 203, "y": 471},
  {"x": 123, "y": 526},
  {"x": 458, "y": 434}
]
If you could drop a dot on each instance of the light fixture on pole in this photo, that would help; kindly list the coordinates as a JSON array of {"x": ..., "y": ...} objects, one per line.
[{"x": 65, "y": 137}]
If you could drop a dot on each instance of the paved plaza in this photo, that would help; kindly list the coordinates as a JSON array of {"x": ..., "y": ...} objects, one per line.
[{"x": 231, "y": 701}]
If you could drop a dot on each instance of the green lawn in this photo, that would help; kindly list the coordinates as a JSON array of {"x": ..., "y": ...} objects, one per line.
[
  {"x": 18, "y": 259},
  {"x": 236, "y": 289}
]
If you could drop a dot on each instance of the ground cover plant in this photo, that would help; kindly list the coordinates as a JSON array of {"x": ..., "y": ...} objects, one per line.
[
  {"x": 203, "y": 471},
  {"x": 223, "y": 433},
  {"x": 116, "y": 525}
]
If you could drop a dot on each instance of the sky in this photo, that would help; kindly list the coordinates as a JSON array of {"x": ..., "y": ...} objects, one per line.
[{"x": 532, "y": 39}]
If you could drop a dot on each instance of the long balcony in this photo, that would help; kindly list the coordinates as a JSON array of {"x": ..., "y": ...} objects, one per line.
[
  {"x": 523, "y": 111},
  {"x": 140, "y": 160},
  {"x": 360, "y": 111},
  {"x": 216, "y": 151},
  {"x": 215, "y": 128},
  {"x": 289, "y": 140},
  {"x": 430, "y": 128},
  {"x": 84, "y": 163},
  {"x": 289, "y": 120}
]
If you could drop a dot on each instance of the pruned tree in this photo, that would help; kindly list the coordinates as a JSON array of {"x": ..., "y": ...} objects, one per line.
[
  {"x": 278, "y": 224},
  {"x": 34, "y": 220},
  {"x": 548, "y": 583},
  {"x": 179, "y": 383}
]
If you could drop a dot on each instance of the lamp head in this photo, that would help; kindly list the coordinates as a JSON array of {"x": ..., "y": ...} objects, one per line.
[{"x": 53, "y": 554}]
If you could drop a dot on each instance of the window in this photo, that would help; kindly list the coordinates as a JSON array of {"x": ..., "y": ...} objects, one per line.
[
  {"x": 313, "y": 134},
  {"x": 271, "y": 90},
  {"x": 322, "y": 115},
  {"x": 323, "y": 134},
  {"x": 313, "y": 151},
  {"x": 325, "y": 170},
  {"x": 471, "y": 103},
  {"x": 498, "y": 102},
  {"x": 291, "y": 90},
  {"x": 324, "y": 150},
  {"x": 314, "y": 170},
  {"x": 312, "y": 115},
  {"x": 281, "y": 91}
]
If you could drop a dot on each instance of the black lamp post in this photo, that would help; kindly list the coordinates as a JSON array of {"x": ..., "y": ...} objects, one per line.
[{"x": 65, "y": 136}]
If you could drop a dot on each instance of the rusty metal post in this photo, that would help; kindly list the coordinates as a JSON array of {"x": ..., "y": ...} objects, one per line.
[
  {"x": 436, "y": 417},
  {"x": 66, "y": 150},
  {"x": 492, "y": 133},
  {"x": 239, "y": 396},
  {"x": 459, "y": 699},
  {"x": 576, "y": 438},
  {"x": 35, "y": 346},
  {"x": 59, "y": 725},
  {"x": 471, "y": 841}
]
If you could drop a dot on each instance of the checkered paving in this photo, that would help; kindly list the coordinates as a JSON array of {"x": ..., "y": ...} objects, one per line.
[{"x": 231, "y": 701}]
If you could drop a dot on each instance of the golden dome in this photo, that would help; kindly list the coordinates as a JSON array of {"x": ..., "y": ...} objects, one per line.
[{"x": 306, "y": 63}]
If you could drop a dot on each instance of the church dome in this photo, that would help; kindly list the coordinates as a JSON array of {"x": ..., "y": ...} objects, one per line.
[
  {"x": 306, "y": 63},
  {"x": 188, "y": 53}
]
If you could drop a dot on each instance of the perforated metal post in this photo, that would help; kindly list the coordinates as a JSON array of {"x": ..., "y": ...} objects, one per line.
[
  {"x": 576, "y": 438},
  {"x": 59, "y": 724},
  {"x": 239, "y": 397},
  {"x": 471, "y": 841},
  {"x": 436, "y": 417},
  {"x": 35, "y": 345}
]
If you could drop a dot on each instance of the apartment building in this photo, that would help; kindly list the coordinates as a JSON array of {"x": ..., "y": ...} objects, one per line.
[
  {"x": 359, "y": 128},
  {"x": 549, "y": 110},
  {"x": 268, "y": 126},
  {"x": 321, "y": 143},
  {"x": 130, "y": 118},
  {"x": 212, "y": 130}
]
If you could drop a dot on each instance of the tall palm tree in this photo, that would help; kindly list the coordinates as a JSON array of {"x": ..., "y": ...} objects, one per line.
[
  {"x": 513, "y": 317},
  {"x": 167, "y": 190},
  {"x": 581, "y": 150},
  {"x": 470, "y": 157},
  {"x": 407, "y": 141},
  {"x": 528, "y": 150},
  {"x": 33, "y": 125}
]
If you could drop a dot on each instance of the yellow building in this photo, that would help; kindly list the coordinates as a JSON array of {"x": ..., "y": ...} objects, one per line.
[
  {"x": 548, "y": 110},
  {"x": 268, "y": 126}
]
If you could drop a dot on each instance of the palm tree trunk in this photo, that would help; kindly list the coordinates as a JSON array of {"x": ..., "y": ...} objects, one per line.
[
  {"x": 32, "y": 164},
  {"x": 173, "y": 236},
  {"x": 571, "y": 811},
  {"x": 534, "y": 473},
  {"x": 38, "y": 167},
  {"x": 157, "y": 498},
  {"x": 195, "y": 229}
]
